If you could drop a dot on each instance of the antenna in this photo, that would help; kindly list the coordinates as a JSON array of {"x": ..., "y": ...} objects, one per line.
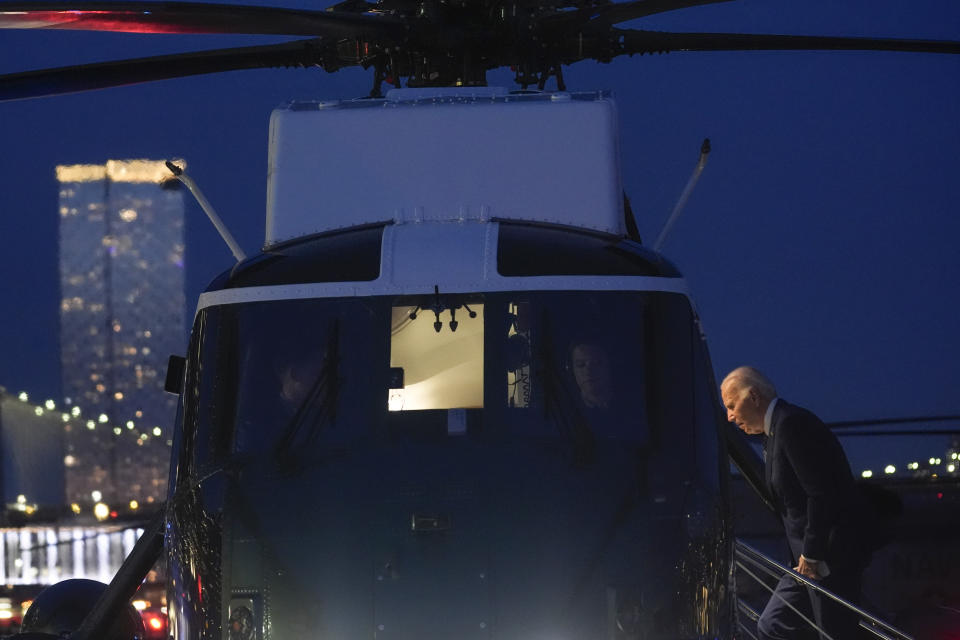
[
  {"x": 208, "y": 209},
  {"x": 682, "y": 202}
]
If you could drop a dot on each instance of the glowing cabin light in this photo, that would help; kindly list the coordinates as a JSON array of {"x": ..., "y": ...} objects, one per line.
[
  {"x": 101, "y": 511},
  {"x": 103, "y": 418},
  {"x": 49, "y": 404},
  {"x": 867, "y": 473},
  {"x": 96, "y": 495},
  {"x": 395, "y": 401},
  {"x": 69, "y": 461},
  {"x": 23, "y": 396},
  {"x": 157, "y": 431}
]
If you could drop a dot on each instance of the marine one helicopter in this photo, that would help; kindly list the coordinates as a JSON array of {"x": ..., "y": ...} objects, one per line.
[{"x": 489, "y": 408}]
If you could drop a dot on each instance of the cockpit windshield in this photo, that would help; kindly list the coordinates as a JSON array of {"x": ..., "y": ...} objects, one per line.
[{"x": 297, "y": 379}]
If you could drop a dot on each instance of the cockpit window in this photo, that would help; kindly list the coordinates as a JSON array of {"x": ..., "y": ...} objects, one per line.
[{"x": 301, "y": 380}]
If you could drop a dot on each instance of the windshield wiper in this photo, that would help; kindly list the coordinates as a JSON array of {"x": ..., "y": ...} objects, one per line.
[
  {"x": 559, "y": 408},
  {"x": 318, "y": 409}
]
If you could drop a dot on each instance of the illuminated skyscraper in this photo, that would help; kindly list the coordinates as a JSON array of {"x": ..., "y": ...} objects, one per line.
[{"x": 121, "y": 316}]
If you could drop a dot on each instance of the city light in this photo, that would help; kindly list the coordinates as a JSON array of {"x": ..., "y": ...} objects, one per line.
[
  {"x": 91, "y": 425},
  {"x": 74, "y": 507},
  {"x": 75, "y": 412},
  {"x": 867, "y": 473},
  {"x": 129, "y": 424},
  {"x": 97, "y": 496},
  {"x": 23, "y": 396},
  {"x": 38, "y": 411},
  {"x": 101, "y": 511},
  {"x": 49, "y": 404},
  {"x": 103, "y": 418},
  {"x": 890, "y": 469},
  {"x": 156, "y": 431},
  {"x": 951, "y": 468}
]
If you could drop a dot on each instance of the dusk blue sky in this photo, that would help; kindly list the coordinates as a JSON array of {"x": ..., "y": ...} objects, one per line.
[{"x": 820, "y": 243}]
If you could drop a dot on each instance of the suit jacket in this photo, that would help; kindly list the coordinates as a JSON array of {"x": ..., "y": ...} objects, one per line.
[{"x": 809, "y": 476}]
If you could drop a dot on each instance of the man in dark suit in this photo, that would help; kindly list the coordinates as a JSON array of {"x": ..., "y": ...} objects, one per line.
[{"x": 809, "y": 477}]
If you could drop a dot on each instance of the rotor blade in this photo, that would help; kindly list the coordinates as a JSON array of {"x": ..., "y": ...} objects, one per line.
[
  {"x": 637, "y": 41},
  {"x": 191, "y": 17},
  {"x": 610, "y": 14},
  {"x": 102, "y": 75},
  {"x": 616, "y": 13}
]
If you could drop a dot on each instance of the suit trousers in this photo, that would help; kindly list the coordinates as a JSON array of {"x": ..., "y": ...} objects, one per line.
[{"x": 780, "y": 620}]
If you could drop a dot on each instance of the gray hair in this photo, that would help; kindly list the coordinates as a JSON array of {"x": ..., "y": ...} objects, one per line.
[{"x": 746, "y": 378}]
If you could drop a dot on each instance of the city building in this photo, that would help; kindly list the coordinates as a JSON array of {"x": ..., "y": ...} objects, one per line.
[{"x": 121, "y": 316}]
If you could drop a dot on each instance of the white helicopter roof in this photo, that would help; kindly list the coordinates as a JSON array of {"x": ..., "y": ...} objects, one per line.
[{"x": 449, "y": 154}]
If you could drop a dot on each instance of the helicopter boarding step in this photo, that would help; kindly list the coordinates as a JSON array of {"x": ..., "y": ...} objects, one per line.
[{"x": 763, "y": 571}]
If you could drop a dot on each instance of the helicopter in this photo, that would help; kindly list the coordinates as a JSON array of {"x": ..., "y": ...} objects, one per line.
[{"x": 456, "y": 471}]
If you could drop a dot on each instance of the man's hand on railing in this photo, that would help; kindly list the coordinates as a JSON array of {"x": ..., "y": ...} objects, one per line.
[{"x": 808, "y": 568}]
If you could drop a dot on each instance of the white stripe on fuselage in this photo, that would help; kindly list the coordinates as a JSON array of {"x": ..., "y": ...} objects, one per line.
[{"x": 496, "y": 284}]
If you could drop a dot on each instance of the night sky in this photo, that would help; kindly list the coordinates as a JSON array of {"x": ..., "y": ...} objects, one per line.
[{"x": 820, "y": 243}]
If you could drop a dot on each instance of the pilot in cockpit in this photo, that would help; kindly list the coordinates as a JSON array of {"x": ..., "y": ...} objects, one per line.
[
  {"x": 609, "y": 400},
  {"x": 591, "y": 368}
]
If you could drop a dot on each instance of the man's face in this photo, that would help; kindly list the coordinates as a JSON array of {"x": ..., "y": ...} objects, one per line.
[
  {"x": 744, "y": 408},
  {"x": 591, "y": 369}
]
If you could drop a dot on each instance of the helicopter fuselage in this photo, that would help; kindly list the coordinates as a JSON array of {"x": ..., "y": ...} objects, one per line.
[{"x": 450, "y": 398}]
